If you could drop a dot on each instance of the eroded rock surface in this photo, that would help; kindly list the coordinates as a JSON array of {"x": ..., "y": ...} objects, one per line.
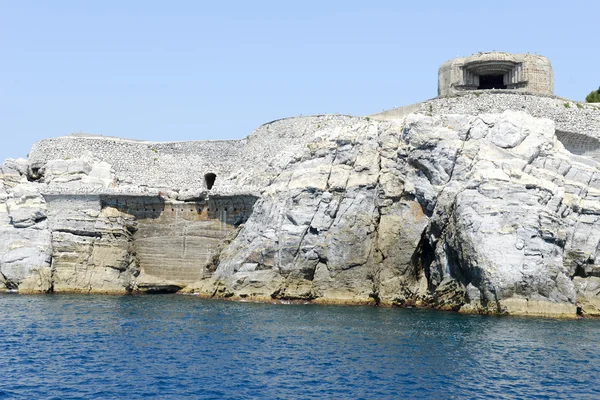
[
  {"x": 485, "y": 213},
  {"x": 480, "y": 214}
]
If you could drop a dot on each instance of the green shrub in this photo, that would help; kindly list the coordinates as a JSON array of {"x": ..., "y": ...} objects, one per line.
[
  {"x": 593, "y": 97},
  {"x": 567, "y": 105}
]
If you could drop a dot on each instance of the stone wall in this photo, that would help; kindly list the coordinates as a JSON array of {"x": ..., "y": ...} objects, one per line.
[
  {"x": 569, "y": 116},
  {"x": 577, "y": 124},
  {"x": 117, "y": 244},
  {"x": 127, "y": 215},
  {"x": 176, "y": 241},
  {"x": 158, "y": 165},
  {"x": 137, "y": 167},
  {"x": 580, "y": 145}
]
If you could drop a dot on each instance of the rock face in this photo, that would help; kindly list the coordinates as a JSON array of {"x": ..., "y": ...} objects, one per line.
[
  {"x": 479, "y": 213},
  {"x": 25, "y": 245}
]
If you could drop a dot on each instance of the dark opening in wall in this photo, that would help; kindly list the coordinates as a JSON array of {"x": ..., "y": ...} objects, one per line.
[
  {"x": 34, "y": 175},
  {"x": 491, "y": 82},
  {"x": 209, "y": 179}
]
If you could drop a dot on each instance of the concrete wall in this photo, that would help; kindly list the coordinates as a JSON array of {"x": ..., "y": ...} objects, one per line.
[
  {"x": 527, "y": 72},
  {"x": 99, "y": 241},
  {"x": 175, "y": 241},
  {"x": 569, "y": 116}
]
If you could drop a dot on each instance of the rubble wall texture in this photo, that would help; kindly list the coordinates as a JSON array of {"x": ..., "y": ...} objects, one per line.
[{"x": 577, "y": 124}]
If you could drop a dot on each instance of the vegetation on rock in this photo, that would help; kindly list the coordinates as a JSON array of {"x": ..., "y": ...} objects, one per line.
[{"x": 593, "y": 97}]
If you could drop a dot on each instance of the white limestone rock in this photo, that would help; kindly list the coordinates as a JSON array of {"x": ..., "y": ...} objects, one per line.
[
  {"x": 422, "y": 213},
  {"x": 25, "y": 245},
  {"x": 478, "y": 213},
  {"x": 83, "y": 172}
]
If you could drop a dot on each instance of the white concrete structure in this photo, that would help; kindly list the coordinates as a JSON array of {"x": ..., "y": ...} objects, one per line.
[{"x": 496, "y": 70}]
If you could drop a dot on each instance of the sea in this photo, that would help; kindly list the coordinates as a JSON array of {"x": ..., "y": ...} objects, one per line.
[{"x": 184, "y": 347}]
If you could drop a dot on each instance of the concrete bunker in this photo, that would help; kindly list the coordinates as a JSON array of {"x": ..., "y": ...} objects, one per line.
[
  {"x": 496, "y": 70},
  {"x": 209, "y": 180},
  {"x": 491, "y": 82}
]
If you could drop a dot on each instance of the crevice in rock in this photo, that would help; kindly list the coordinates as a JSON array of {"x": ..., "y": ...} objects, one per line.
[
  {"x": 457, "y": 268},
  {"x": 161, "y": 288},
  {"x": 309, "y": 273},
  {"x": 10, "y": 285},
  {"x": 375, "y": 297},
  {"x": 40, "y": 219},
  {"x": 52, "y": 271},
  {"x": 458, "y": 154},
  {"x": 374, "y": 276},
  {"x": 316, "y": 209},
  {"x": 579, "y": 272},
  {"x": 420, "y": 169},
  {"x": 422, "y": 258},
  {"x": 6, "y": 281},
  {"x": 77, "y": 232}
]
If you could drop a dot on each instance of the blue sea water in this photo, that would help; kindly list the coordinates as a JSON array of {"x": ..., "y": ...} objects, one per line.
[{"x": 172, "y": 346}]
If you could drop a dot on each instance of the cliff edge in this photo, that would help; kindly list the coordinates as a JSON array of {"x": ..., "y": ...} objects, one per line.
[{"x": 483, "y": 213}]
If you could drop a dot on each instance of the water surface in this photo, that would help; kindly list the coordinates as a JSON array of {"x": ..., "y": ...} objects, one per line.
[{"x": 172, "y": 346}]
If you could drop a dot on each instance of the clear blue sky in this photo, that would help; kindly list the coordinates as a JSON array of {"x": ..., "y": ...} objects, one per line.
[{"x": 189, "y": 70}]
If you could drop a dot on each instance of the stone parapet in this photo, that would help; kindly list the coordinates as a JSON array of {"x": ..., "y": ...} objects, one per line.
[{"x": 569, "y": 115}]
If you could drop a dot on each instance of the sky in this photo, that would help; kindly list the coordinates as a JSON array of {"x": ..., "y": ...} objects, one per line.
[{"x": 196, "y": 70}]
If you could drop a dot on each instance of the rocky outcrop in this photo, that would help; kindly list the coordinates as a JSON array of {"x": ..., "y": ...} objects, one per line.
[
  {"x": 25, "y": 245},
  {"x": 478, "y": 213}
]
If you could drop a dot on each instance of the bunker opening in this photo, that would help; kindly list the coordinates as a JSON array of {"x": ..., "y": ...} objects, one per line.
[
  {"x": 209, "y": 180},
  {"x": 491, "y": 82}
]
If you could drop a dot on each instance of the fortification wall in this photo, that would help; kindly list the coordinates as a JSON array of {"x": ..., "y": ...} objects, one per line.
[
  {"x": 147, "y": 167},
  {"x": 159, "y": 165},
  {"x": 175, "y": 241},
  {"x": 581, "y": 145},
  {"x": 114, "y": 229},
  {"x": 569, "y": 116}
]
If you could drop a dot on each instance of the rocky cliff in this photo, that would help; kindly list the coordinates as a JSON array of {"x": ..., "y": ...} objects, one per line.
[{"x": 478, "y": 213}]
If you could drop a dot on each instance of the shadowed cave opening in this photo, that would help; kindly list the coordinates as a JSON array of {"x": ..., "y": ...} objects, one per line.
[
  {"x": 491, "y": 82},
  {"x": 209, "y": 179}
]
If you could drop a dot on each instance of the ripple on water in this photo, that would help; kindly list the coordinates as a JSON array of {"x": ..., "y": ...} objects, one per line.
[{"x": 181, "y": 346}]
